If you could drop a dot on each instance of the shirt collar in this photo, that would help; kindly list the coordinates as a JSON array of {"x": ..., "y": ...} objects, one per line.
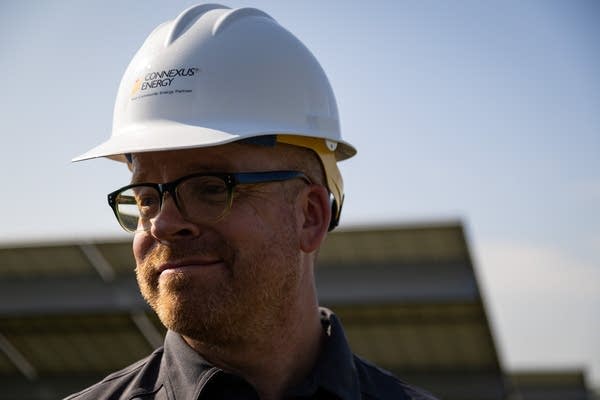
[
  {"x": 334, "y": 371},
  {"x": 185, "y": 367}
]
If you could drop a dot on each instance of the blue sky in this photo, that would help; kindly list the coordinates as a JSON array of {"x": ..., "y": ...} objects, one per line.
[{"x": 486, "y": 112}]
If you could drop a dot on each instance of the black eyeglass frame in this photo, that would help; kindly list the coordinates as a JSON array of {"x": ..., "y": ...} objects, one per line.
[{"x": 231, "y": 180}]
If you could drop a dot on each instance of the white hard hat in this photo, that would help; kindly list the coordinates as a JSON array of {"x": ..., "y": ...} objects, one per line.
[{"x": 215, "y": 75}]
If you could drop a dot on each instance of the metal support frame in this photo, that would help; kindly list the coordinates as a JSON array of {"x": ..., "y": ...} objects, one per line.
[
  {"x": 19, "y": 361},
  {"x": 69, "y": 295},
  {"x": 95, "y": 257},
  {"x": 393, "y": 283},
  {"x": 147, "y": 329}
]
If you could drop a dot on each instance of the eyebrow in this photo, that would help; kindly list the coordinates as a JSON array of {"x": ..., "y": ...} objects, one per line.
[{"x": 136, "y": 179}]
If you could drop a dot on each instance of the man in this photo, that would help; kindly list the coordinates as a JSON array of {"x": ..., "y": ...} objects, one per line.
[{"x": 230, "y": 129}]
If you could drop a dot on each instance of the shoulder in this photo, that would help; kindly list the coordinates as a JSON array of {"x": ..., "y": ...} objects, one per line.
[
  {"x": 139, "y": 377},
  {"x": 377, "y": 383}
]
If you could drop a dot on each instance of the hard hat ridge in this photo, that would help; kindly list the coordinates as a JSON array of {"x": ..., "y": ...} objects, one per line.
[
  {"x": 238, "y": 13},
  {"x": 187, "y": 18}
]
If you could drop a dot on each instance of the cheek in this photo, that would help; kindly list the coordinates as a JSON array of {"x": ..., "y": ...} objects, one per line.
[{"x": 142, "y": 243}]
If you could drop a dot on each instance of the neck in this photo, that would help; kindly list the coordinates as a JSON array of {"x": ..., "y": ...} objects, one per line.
[{"x": 275, "y": 361}]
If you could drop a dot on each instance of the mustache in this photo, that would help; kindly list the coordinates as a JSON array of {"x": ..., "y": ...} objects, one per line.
[{"x": 162, "y": 253}]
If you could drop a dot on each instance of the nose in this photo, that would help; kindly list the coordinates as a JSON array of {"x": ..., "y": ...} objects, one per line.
[{"x": 170, "y": 225}]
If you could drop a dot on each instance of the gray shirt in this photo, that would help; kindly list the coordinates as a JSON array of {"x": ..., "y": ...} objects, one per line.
[{"x": 176, "y": 372}]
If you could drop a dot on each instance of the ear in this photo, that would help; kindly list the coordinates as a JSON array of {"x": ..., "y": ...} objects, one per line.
[{"x": 315, "y": 217}]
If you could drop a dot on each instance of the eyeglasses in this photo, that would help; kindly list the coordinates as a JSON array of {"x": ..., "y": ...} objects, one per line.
[{"x": 198, "y": 197}]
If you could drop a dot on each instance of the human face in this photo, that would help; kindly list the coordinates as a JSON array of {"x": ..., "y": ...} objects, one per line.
[{"x": 225, "y": 282}]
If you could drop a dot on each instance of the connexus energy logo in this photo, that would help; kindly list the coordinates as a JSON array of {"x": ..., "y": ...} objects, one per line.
[{"x": 161, "y": 80}]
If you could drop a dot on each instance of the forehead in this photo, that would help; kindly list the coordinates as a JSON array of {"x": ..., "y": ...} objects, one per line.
[{"x": 233, "y": 157}]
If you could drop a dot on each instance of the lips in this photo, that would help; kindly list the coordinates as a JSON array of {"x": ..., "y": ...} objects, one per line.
[{"x": 180, "y": 266}]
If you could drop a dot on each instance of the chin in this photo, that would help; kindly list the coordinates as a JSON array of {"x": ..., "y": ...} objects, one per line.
[{"x": 211, "y": 326}]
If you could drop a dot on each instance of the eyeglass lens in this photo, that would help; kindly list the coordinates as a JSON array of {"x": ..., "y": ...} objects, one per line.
[{"x": 200, "y": 198}]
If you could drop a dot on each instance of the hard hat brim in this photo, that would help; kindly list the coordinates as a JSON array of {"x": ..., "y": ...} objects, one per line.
[{"x": 169, "y": 135}]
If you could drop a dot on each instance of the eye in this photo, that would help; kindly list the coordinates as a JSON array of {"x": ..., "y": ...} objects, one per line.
[
  {"x": 210, "y": 189},
  {"x": 147, "y": 200},
  {"x": 203, "y": 191},
  {"x": 205, "y": 186}
]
